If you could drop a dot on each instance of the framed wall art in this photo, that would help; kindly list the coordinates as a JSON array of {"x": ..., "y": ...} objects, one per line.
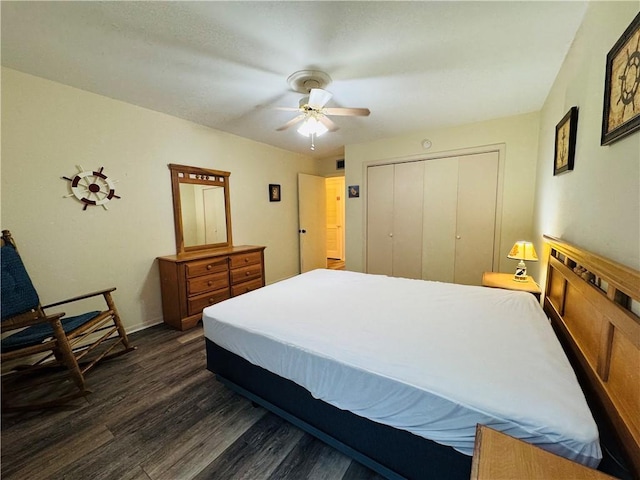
[
  {"x": 621, "y": 112},
  {"x": 274, "y": 192},
  {"x": 565, "y": 147}
]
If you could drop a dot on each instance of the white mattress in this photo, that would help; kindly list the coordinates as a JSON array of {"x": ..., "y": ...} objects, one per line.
[{"x": 431, "y": 358}]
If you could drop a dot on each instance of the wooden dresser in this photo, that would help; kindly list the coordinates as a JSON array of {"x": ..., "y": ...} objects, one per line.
[{"x": 195, "y": 280}]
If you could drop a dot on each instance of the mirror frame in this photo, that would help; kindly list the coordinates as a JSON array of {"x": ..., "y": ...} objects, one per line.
[{"x": 199, "y": 176}]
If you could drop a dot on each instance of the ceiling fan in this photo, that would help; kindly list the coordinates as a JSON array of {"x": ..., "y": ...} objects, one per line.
[{"x": 312, "y": 111}]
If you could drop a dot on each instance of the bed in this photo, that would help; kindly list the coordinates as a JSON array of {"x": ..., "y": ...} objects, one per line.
[{"x": 397, "y": 373}]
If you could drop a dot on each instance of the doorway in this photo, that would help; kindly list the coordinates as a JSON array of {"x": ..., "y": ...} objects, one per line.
[
  {"x": 321, "y": 222},
  {"x": 335, "y": 222}
]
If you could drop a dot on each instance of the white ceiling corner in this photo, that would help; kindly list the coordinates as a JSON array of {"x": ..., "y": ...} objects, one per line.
[{"x": 415, "y": 65}]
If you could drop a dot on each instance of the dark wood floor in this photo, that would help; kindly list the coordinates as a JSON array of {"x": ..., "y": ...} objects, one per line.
[{"x": 157, "y": 413}]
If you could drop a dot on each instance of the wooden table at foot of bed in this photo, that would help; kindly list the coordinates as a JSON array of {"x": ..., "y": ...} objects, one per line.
[{"x": 498, "y": 456}]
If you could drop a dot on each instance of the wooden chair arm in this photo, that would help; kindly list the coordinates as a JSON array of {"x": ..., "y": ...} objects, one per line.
[
  {"x": 26, "y": 320},
  {"x": 81, "y": 297}
]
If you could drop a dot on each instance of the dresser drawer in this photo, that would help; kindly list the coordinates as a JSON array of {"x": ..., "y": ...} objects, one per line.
[
  {"x": 244, "y": 274},
  {"x": 197, "y": 303},
  {"x": 243, "y": 259},
  {"x": 246, "y": 287},
  {"x": 191, "y": 281},
  {"x": 205, "y": 283},
  {"x": 202, "y": 267}
]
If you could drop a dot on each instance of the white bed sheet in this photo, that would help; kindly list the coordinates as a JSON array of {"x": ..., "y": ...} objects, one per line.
[{"x": 431, "y": 358}]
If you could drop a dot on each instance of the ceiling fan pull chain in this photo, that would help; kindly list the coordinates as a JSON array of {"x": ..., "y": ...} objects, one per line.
[{"x": 313, "y": 147}]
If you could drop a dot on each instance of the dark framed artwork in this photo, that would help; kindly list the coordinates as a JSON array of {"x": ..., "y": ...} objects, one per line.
[
  {"x": 621, "y": 112},
  {"x": 274, "y": 192},
  {"x": 354, "y": 191},
  {"x": 565, "y": 148}
]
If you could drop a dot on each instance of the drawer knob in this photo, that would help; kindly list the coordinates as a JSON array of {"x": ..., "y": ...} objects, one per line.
[
  {"x": 211, "y": 300},
  {"x": 209, "y": 283},
  {"x": 248, "y": 273},
  {"x": 209, "y": 267},
  {"x": 246, "y": 260}
]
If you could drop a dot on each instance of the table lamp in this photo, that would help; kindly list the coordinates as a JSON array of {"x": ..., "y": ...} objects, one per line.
[{"x": 522, "y": 251}]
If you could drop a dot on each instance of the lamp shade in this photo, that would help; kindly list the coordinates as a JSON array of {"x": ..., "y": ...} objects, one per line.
[
  {"x": 522, "y": 250},
  {"x": 312, "y": 126}
]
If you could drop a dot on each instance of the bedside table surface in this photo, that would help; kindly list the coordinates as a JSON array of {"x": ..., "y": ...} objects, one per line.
[{"x": 506, "y": 281}]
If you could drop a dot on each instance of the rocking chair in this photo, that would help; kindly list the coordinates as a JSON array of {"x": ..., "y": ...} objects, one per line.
[{"x": 76, "y": 343}]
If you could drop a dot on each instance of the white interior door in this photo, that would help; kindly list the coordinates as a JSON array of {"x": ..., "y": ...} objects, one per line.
[
  {"x": 380, "y": 219},
  {"x": 312, "y": 222},
  {"x": 476, "y": 216},
  {"x": 407, "y": 219},
  {"x": 434, "y": 219},
  {"x": 439, "y": 219}
]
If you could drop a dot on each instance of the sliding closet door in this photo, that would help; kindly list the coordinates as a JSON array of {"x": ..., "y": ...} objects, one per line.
[
  {"x": 439, "y": 219},
  {"x": 407, "y": 219},
  {"x": 380, "y": 219},
  {"x": 476, "y": 216},
  {"x": 433, "y": 219},
  {"x": 394, "y": 219}
]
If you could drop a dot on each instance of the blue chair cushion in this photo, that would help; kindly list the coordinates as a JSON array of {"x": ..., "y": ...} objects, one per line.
[
  {"x": 37, "y": 334},
  {"x": 17, "y": 294}
]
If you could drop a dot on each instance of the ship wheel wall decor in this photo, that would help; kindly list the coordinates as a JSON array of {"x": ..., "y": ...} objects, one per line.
[
  {"x": 92, "y": 188},
  {"x": 621, "y": 113}
]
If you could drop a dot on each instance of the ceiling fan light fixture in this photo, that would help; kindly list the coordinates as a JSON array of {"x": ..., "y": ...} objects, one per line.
[{"x": 312, "y": 126}]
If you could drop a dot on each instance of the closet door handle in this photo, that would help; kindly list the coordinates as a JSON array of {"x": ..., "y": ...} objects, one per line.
[
  {"x": 458, "y": 237},
  {"x": 391, "y": 234}
]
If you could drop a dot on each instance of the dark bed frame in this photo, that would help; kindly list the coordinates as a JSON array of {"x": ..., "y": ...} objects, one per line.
[
  {"x": 588, "y": 299},
  {"x": 393, "y": 453}
]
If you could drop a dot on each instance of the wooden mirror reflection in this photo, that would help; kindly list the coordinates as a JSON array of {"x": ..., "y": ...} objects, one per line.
[{"x": 201, "y": 209}]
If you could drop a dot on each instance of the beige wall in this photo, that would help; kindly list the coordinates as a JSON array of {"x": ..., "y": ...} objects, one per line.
[
  {"x": 327, "y": 167},
  {"x": 519, "y": 135},
  {"x": 597, "y": 205},
  {"x": 49, "y": 128}
]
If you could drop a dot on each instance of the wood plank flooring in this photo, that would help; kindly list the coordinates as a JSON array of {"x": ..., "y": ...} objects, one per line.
[{"x": 158, "y": 413}]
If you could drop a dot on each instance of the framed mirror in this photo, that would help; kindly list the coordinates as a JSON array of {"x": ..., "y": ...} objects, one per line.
[{"x": 201, "y": 210}]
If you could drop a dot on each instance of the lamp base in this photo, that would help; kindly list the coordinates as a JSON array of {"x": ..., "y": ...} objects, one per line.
[{"x": 521, "y": 272}]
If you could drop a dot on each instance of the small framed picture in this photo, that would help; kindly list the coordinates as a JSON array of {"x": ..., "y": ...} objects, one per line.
[
  {"x": 565, "y": 148},
  {"x": 354, "y": 191},
  {"x": 274, "y": 192},
  {"x": 620, "y": 115}
]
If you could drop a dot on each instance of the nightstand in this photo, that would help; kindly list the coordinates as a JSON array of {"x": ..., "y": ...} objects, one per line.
[
  {"x": 497, "y": 456},
  {"x": 506, "y": 281}
]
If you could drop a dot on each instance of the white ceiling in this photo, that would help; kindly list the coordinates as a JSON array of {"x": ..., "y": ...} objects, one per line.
[{"x": 415, "y": 65}]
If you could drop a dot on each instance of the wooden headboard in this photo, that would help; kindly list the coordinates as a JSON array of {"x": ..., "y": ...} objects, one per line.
[{"x": 594, "y": 305}]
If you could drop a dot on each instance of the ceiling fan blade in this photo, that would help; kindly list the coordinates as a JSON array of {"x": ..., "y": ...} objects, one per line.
[
  {"x": 328, "y": 123},
  {"x": 348, "y": 112},
  {"x": 291, "y": 122},
  {"x": 287, "y": 109},
  {"x": 318, "y": 98}
]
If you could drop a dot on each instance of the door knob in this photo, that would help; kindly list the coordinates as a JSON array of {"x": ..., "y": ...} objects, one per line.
[
  {"x": 458, "y": 237},
  {"x": 302, "y": 231}
]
